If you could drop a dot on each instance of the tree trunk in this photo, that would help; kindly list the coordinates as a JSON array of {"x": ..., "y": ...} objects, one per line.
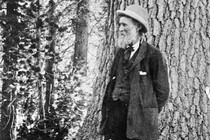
[
  {"x": 105, "y": 56},
  {"x": 50, "y": 61},
  {"x": 81, "y": 39},
  {"x": 38, "y": 64},
  {"x": 180, "y": 29},
  {"x": 10, "y": 34}
]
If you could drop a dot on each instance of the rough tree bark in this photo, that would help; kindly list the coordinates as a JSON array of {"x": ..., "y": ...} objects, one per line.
[
  {"x": 105, "y": 56},
  {"x": 181, "y": 30}
]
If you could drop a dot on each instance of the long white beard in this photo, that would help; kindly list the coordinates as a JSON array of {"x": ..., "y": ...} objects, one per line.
[{"x": 124, "y": 41}]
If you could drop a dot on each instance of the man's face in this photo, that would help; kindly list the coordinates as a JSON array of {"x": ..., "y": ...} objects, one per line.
[{"x": 128, "y": 32}]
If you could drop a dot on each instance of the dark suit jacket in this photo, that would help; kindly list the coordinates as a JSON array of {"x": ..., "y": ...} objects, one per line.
[{"x": 149, "y": 93}]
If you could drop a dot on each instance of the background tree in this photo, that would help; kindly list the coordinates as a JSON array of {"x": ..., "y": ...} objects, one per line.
[
  {"x": 49, "y": 74},
  {"x": 11, "y": 28},
  {"x": 40, "y": 113},
  {"x": 180, "y": 30},
  {"x": 39, "y": 78},
  {"x": 81, "y": 35},
  {"x": 104, "y": 57},
  {"x": 59, "y": 108}
]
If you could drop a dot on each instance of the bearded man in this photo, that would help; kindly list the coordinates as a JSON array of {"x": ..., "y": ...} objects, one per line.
[{"x": 138, "y": 86}]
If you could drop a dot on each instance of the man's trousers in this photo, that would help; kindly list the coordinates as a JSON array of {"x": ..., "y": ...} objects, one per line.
[{"x": 116, "y": 124}]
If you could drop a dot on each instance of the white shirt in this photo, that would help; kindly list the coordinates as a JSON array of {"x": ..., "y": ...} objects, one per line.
[{"x": 135, "y": 47}]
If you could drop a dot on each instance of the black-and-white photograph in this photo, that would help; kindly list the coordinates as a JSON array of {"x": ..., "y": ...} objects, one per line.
[{"x": 104, "y": 70}]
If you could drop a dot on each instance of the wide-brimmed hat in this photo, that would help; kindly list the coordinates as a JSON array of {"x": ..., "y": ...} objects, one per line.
[{"x": 136, "y": 12}]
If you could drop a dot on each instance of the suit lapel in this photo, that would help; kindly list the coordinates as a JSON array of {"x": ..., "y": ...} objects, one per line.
[{"x": 140, "y": 55}]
